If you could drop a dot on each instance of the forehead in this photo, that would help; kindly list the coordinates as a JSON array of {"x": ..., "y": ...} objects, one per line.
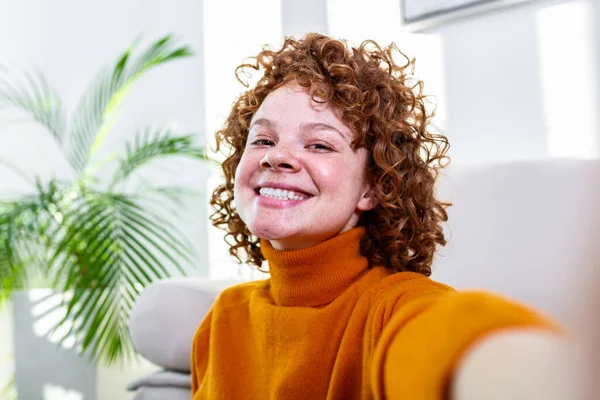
[{"x": 292, "y": 103}]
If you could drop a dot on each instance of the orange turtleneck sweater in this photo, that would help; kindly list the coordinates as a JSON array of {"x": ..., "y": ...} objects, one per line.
[{"x": 325, "y": 326}]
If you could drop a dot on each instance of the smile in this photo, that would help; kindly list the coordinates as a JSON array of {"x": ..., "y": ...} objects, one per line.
[{"x": 280, "y": 194}]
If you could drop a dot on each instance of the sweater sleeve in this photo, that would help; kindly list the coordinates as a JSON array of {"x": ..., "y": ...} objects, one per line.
[{"x": 425, "y": 339}]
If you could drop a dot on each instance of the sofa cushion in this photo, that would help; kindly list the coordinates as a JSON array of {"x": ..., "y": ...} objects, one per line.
[
  {"x": 166, "y": 315},
  {"x": 162, "y": 393},
  {"x": 529, "y": 230},
  {"x": 164, "y": 378}
]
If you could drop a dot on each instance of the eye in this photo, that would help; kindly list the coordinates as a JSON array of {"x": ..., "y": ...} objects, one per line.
[
  {"x": 262, "y": 142},
  {"x": 320, "y": 147}
]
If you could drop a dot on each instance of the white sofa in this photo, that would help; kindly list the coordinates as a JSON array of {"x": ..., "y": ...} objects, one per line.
[
  {"x": 527, "y": 230},
  {"x": 162, "y": 324}
]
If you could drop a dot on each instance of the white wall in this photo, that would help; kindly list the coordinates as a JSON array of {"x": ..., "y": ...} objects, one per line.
[
  {"x": 521, "y": 83},
  {"x": 494, "y": 108},
  {"x": 298, "y": 18},
  {"x": 595, "y": 16}
]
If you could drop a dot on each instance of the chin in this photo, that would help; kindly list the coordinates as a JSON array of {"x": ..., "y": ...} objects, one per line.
[{"x": 269, "y": 232}]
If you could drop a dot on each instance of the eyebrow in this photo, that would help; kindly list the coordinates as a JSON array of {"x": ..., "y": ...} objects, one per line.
[{"x": 303, "y": 127}]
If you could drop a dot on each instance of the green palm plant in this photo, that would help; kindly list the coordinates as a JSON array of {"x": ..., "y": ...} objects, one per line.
[{"x": 86, "y": 237}]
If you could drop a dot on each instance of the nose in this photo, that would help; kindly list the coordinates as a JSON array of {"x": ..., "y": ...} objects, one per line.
[{"x": 280, "y": 159}]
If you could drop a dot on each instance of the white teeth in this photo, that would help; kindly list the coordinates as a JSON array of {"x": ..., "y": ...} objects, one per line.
[{"x": 280, "y": 194}]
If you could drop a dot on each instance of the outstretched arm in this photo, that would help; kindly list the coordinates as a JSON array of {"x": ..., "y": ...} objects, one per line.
[{"x": 444, "y": 347}]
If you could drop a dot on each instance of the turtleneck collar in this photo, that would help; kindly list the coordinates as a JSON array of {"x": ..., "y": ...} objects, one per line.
[{"x": 317, "y": 275}]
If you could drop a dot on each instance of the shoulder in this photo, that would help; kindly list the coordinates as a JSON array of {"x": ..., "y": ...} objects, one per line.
[
  {"x": 407, "y": 286},
  {"x": 403, "y": 291},
  {"x": 240, "y": 293}
]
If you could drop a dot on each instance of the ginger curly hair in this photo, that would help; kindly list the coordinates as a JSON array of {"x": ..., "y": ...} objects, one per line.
[{"x": 385, "y": 107}]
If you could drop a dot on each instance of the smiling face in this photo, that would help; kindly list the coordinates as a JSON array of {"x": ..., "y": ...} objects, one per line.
[{"x": 299, "y": 181}]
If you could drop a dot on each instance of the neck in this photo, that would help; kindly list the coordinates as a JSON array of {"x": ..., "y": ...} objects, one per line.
[{"x": 318, "y": 274}]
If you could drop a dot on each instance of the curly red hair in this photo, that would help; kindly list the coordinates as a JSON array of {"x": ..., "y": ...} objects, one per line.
[{"x": 385, "y": 107}]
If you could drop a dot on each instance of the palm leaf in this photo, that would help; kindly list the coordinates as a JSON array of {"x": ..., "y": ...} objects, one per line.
[
  {"x": 13, "y": 275},
  {"x": 149, "y": 146},
  {"x": 32, "y": 94},
  {"x": 17, "y": 171},
  {"x": 95, "y": 113},
  {"x": 107, "y": 252},
  {"x": 21, "y": 250}
]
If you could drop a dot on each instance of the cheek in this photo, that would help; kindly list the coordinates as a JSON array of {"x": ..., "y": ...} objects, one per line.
[
  {"x": 328, "y": 176},
  {"x": 242, "y": 172},
  {"x": 241, "y": 179},
  {"x": 340, "y": 176}
]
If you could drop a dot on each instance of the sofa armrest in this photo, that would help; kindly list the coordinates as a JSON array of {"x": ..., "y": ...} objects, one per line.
[{"x": 166, "y": 315}]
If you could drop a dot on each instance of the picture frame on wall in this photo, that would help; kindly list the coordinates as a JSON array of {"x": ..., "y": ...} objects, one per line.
[{"x": 419, "y": 15}]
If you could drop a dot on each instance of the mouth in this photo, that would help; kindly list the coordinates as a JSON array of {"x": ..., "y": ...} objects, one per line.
[{"x": 281, "y": 194}]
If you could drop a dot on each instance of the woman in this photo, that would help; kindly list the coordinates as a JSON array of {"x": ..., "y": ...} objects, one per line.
[{"x": 331, "y": 181}]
